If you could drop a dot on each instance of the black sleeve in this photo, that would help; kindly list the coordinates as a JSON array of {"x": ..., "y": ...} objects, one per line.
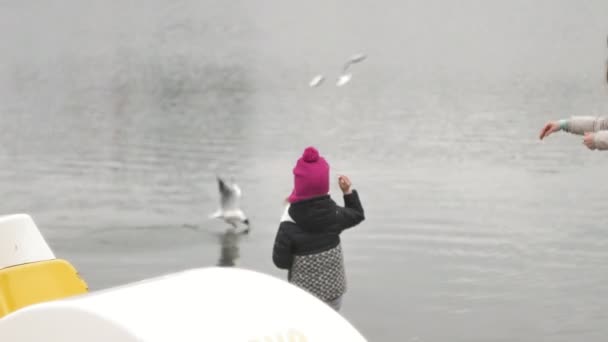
[
  {"x": 352, "y": 214},
  {"x": 281, "y": 252}
]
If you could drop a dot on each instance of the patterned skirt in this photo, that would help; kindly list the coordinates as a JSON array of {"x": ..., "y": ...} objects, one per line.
[{"x": 321, "y": 274}]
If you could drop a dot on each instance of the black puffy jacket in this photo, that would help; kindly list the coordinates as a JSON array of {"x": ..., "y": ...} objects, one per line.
[
  {"x": 316, "y": 227},
  {"x": 308, "y": 243}
]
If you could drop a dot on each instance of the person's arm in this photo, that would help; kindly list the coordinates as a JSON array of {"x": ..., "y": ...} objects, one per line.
[
  {"x": 281, "y": 252},
  {"x": 583, "y": 124},
  {"x": 575, "y": 125},
  {"x": 352, "y": 214},
  {"x": 594, "y": 129}
]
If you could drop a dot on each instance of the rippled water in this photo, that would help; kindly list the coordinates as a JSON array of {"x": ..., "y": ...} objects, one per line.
[{"x": 117, "y": 116}]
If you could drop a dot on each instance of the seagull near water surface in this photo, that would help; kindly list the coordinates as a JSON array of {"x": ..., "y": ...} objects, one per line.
[{"x": 229, "y": 210}]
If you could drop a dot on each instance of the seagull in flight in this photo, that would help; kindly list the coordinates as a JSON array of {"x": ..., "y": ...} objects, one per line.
[
  {"x": 316, "y": 81},
  {"x": 345, "y": 77},
  {"x": 229, "y": 205}
]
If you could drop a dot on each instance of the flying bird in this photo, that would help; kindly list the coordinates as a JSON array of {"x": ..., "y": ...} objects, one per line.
[
  {"x": 229, "y": 210},
  {"x": 356, "y": 58},
  {"x": 316, "y": 81},
  {"x": 344, "y": 77}
]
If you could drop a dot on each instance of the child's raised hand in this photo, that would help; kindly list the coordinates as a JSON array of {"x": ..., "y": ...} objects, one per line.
[{"x": 345, "y": 184}]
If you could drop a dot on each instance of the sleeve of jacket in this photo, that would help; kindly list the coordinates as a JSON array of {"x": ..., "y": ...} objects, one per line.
[
  {"x": 582, "y": 124},
  {"x": 352, "y": 214},
  {"x": 601, "y": 140},
  {"x": 281, "y": 252}
]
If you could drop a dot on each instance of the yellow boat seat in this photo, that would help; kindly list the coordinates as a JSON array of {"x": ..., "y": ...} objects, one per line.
[{"x": 36, "y": 282}]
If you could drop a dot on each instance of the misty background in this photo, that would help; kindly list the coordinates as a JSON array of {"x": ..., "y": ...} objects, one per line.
[{"x": 116, "y": 117}]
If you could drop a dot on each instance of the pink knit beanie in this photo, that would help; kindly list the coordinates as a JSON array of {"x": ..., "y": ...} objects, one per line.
[{"x": 311, "y": 176}]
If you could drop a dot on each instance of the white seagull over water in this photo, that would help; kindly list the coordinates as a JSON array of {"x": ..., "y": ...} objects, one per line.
[
  {"x": 316, "y": 81},
  {"x": 345, "y": 77},
  {"x": 229, "y": 205}
]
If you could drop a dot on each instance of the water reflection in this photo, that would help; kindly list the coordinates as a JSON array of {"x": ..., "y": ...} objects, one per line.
[{"x": 229, "y": 247}]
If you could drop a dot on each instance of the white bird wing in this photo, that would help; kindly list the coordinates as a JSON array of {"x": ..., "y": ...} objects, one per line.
[
  {"x": 229, "y": 196},
  {"x": 346, "y": 66},
  {"x": 316, "y": 81},
  {"x": 237, "y": 190},
  {"x": 357, "y": 58},
  {"x": 343, "y": 79}
]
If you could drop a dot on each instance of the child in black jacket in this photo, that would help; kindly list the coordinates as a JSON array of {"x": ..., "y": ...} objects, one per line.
[{"x": 308, "y": 240}]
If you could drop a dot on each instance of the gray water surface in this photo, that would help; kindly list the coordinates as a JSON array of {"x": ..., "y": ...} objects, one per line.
[{"x": 116, "y": 117}]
